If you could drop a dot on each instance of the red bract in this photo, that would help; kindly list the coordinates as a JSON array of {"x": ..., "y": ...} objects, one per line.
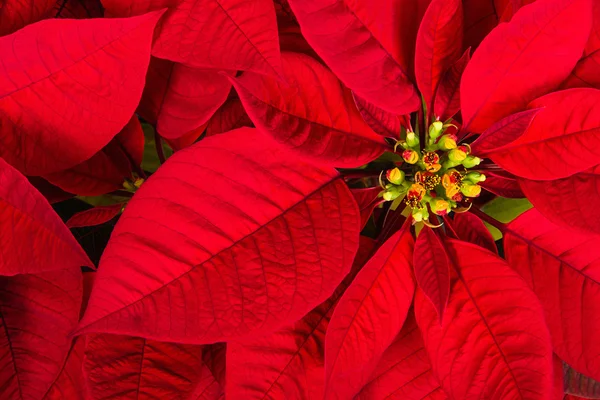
[{"x": 191, "y": 146}]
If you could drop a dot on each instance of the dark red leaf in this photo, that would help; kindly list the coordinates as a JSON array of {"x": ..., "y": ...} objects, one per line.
[
  {"x": 558, "y": 374},
  {"x": 312, "y": 114},
  {"x": 37, "y": 313},
  {"x": 504, "y": 132},
  {"x": 523, "y": 59},
  {"x": 15, "y": 14},
  {"x": 447, "y": 96},
  {"x": 52, "y": 193},
  {"x": 481, "y": 16},
  {"x": 404, "y": 371},
  {"x": 367, "y": 200},
  {"x": 493, "y": 342},
  {"x": 562, "y": 140},
  {"x": 563, "y": 268},
  {"x": 187, "y": 139},
  {"x": 69, "y": 383},
  {"x": 59, "y": 107},
  {"x": 432, "y": 269},
  {"x": 368, "y": 317},
  {"x": 470, "y": 228},
  {"x": 230, "y": 116},
  {"x": 135, "y": 367},
  {"x": 362, "y": 46},
  {"x": 503, "y": 187},
  {"x": 381, "y": 121},
  {"x": 578, "y": 384},
  {"x": 439, "y": 45},
  {"x": 213, "y": 356},
  {"x": 94, "y": 216},
  {"x": 248, "y": 237},
  {"x": 78, "y": 9},
  {"x": 38, "y": 241}
]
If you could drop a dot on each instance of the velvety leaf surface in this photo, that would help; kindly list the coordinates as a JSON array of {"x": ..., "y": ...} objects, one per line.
[
  {"x": 230, "y": 116},
  {"x": 361, "y": 45},
  {"x": 470, "y": 228},
  {"x": 36, "y": 239},
  {"x": 60, "y": 78},
  {"x": 94, "y": 216},
  {"x": 381, "y": 121},
  {"x": 523, "y": 59},
  {"x": 130, "y": 367},
  {"x": 432, "y": 269},
  {"x": 311, "y": 112},
  {"x": 69, "y": 383},
  {"x": 107, "y": 169},
  {"x": 15, "y": 14},
  {"x": 404, "y": 371},
  {"x": 566, "y": 201},
  {"x": 368, "y": 317},
  {"x": 439, "y": 44},
  {"x": 447, "y": 96},
  {"x": 249, "y": 238},
  {"x": 562, "y": 140},
  {"x": 37, "y": 313},
  {"x": 493, "y": 342},
  {"x": 502, "y": 186},
  {"x": 504, "y": 132},
  {"x": 563, "y": 268}
]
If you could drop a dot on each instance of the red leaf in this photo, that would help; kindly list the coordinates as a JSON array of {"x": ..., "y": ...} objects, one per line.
[
  {"x": 187, "y": 139},
  {"x": 230, "y": 116},
  {"x": 504, "y": 132},
  {"x": 439, "y": 44},
  {"x": 116, "y": 365},
  {"x": 59, "y": 107},
  {"x": 38, "y": 241},
  {"x": 432, "y": 269},
  {"x": 79, "y": 9},
  {"x": 37, "y": 312},
  {"x": 179, "y": 99},
  {"x": 493, "y": 342},
  {"x": 481, "y": 16},
  {"x": 557, "y": 372},
  {"x": 404, "y": 371},
  {"x": 503, "y": 187},
  {"x": 470, "y": 228},
  {"x": 368, "y": 317},
  {"x": 562, "y": 140},
  {"x": 381, "y": 121},
  {"x": 361, "y": 45},
  {"x": 313, "y": 114},
  {"x": 563, "y": 268},
  {"x": 107, "y": 169},
  {"x": 69, "y": 384},
  {"x": 447, "y": 96},
  {"x": 566, "y": 201},
  {"x": 14, "y": 15},
  {"x": 94, "y": 216},
  {"x": 249, "y": 238},
  {"x": 52, "y": 193},
  {"x": 367, "y": 199},
  {"x": 213, "y": 356},
  {"x": 523, "y": 59}
]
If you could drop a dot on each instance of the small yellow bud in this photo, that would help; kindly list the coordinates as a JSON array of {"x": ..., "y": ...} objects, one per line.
[
  {"x": 420, "y": 214},
  {"x": 447, "y": 142},
  {"x": 475, "y": 177},
  {"x": 470, "y": 190},
  {"x": 412, "y": 140},
  {"x": 392, "y": 193},
  {"x": 471, "y": 161},
  {"x": 410, "y": 156},
  {"x": 395, "y": 176},
  {"x": 439, "y": 206},
  {"x": 435, "y": 129},
  {"x": 457, "y": 155}
]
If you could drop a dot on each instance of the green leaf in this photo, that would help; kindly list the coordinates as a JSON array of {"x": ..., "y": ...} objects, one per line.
[
  {"x": 150, "y": 162},
  {"x": 504, "y": 210}
]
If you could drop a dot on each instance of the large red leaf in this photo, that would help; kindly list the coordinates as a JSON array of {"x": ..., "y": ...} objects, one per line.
[
  {"x": 78, "y": 9},
  {"x": 107, "y": 169},
  {"x": 404, "y": 371},
  {"x": 368, "y": 317},
  {"x": 367, "y": 199},
  {"x": 15, "y": 14},
  {"x": 38, "y": 240},
  {"x": 562, "y": 140},
  {"x": 439, "y": 44},
  {"x": 566, "y": 201},
  {"x": 504, "y": 132},
  {"x": 481, "y": 16},
  {"x": 69, "y": 383},
  {"x": 179, "y": 99},
  {"x": 563, "y": 268},
  {"x": 59, "y": 107},
  {"x": 225, "y": 241},
  {"x": 94, "y": 216},
  {"x": 381, "y": 121},
  {"x": 230, "y": 116},
  {"x": 523, "y": 59},
  {"x": 432, "y": 269},
  {"x": 52, "y": 193},
  {"x": 361, "y": 45},
  {"x": 311, "y": 112},
  {"x": 37, "y": 313},
  {"x": 503, "y": 187},
  {"x": 470, "y": 228},
  {"x": 135, "y": 367},
  {"x": 493, "y": 342},
  {"x": 447, "y": 96},
  {"x": 290, "y": 362}
]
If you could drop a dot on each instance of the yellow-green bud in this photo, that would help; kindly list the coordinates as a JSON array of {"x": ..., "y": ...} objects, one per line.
[
  {"x": 435, "y": 129},
  {"x": 412, "y": 140},
  {"x": 439, "y": 206},
  {"x": 420, "y": 214},
  {"x": 410, "y": 156},
  {"x": 392, "y": 193},
  {"x": 470, "y": 189},
  {"x": 447, "y": 142},
  {"x": 471, "y": 161},
  {"x": 395, "y": 176},
  {"x": 475, "y": 177},
  {"x": 457, "y": 155}
]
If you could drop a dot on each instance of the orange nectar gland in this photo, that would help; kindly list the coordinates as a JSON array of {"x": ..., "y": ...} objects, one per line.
[{"x": 441, "y": 180}]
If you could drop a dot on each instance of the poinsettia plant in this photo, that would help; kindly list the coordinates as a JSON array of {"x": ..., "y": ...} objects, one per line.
[{"x": 303, "y": 199}]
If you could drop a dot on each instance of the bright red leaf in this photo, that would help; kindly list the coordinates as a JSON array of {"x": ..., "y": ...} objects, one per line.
[
  {"x": 504, "y": 132},
  {"x": 230, "y": 116},
  {"x": 493, "y": 342},
  {"x": 311, "y": 113},
  {"x": 470, "y": 228},
  {"x": 361, "y": 45},
  {"x": 381, "y": 121},
  {"x": 503, "y": 186},
  {"x": 432, "y": 269},
  {"x": 249, "y": 238},
  {"x": 94, "y": 216},
  {"x": 59, "y": 107},
  {"x": 368, "y": 317},
  {"x": 523, "y": 59},
  {"x": 447, "y": 96},
  {"x": 69, "y": 384},
  {"x": 563, "y": 268},
  {"x": 15, "y": 14},
  {"x": 38, "y": 241},
  {"x": 187, "y": 139},
  {"x": 562, "y": 140},
  {"x": 367, "y": 199},
  {"x": 439, "y": 44}
]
